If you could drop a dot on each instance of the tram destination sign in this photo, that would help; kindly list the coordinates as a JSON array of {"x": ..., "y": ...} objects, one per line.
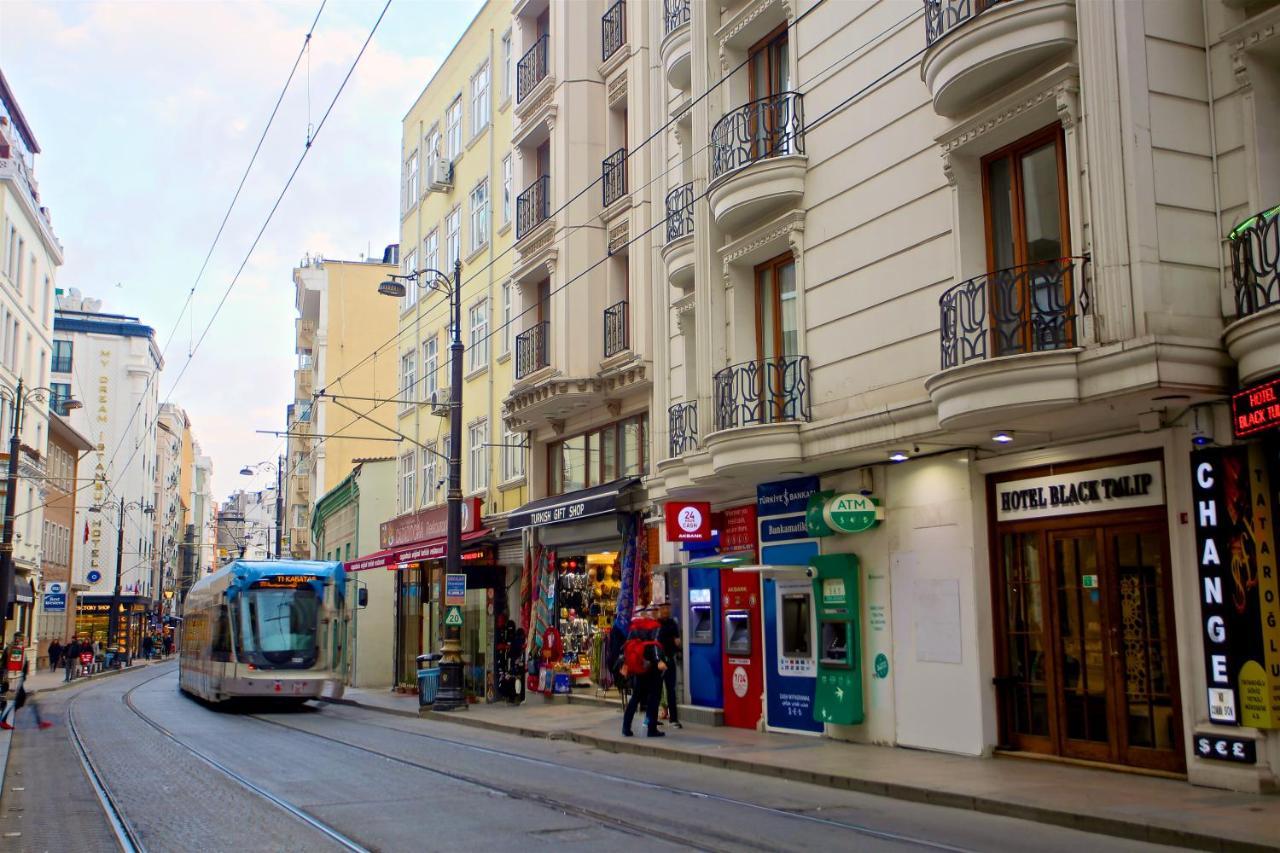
[
  {"x": 1093, "y": 490},
  {"x": 284, "y": 582},
  {"x": 1256, "y": 409}
]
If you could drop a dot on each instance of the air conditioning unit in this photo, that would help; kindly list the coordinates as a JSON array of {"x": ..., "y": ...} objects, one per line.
[
  {"x": 440, "y": 403},
  {"x": 441, "y": 177}
]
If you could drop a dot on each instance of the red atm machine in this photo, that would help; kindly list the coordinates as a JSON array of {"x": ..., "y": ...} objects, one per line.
[{"x": 743, "y": 649}]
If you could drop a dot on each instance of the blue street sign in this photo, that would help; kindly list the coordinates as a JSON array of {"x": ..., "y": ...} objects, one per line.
[
  {"x": 55, "y": 602},
  {"x": 94, "y": 576},
  {"x": 455, "y": 589}
]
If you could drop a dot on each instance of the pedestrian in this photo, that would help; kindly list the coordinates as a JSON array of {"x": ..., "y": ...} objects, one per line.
[
  {"x": 70, "y": 658},
  {"x": 643, "y": 664},
  {"x": 168, "y": 645},
  {"x": 55, "y": 654},
  {"x": 147, "y": 645},
  {"x": 22, "y": 698},
  {"x": 669, "y": 637}
]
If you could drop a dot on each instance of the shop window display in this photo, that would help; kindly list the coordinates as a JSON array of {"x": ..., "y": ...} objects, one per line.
[{"x": 587, "y": 601}]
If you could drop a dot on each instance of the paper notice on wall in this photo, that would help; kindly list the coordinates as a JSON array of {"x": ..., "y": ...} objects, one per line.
[{"x": 937, "y": 620}]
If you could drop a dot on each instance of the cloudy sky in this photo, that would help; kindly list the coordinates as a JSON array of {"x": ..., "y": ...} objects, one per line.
[{"x": 148, "y": 112}]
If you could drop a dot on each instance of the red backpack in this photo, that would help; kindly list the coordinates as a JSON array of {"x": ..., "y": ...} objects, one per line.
[{"x": 643, "y": 634}]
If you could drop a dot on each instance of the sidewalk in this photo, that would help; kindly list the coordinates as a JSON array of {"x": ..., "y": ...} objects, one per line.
[{"x": 1163, "y": 811}]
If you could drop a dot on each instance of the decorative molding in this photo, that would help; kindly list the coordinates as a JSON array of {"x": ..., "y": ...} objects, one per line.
[
  {"x": 557, "y": 425},
  {"x": 685, "y": 312},
  {"x": 618, "y": 89},
  {"x": 744, "y": 19},
  {"x": 1253, "y": 34},
  {"x": 614, "y": 407},
  {"x": 619, "y": 235},
  {"x": 1062, "y": 88},
  {"x": 783, "y": 227}
]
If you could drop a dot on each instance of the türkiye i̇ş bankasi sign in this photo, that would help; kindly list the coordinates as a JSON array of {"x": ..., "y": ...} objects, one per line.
[
  {"x": 1094, "y": 490},
  {"x": 1239, "y": 599}
]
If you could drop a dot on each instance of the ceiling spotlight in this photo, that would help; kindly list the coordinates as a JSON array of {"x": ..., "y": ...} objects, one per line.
[
  {"x": 1004, "y": 436},
  {"x": 898, "y": 456},
  {"x": 1200, "y": 436}
]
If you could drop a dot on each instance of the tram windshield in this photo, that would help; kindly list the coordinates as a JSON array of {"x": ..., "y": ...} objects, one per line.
[{"x": 278, "y": 627}]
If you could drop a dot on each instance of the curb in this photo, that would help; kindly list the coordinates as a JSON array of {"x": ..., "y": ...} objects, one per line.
[{"x": 1115, "y": 827}]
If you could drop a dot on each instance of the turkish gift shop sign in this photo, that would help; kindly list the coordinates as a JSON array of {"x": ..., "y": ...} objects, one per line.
[
  {"x": 1239, "y": 596},
  {"x": 1094, "y": 490},
  {"x": 427, "y": 524},
  {"x": 829, "y": 513},
  {"x": 1256, "y": 409},
  {"x": 687, "y": 521}
]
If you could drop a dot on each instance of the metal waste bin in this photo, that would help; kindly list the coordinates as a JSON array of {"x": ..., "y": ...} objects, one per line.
[{"x": 428, "y": 679}]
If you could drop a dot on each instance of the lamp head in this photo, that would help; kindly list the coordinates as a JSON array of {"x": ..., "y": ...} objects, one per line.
[
  {"x": 246, "y": 471},
  {"x": 391, "y": 287},
  {"x": 71, "y": 405}
]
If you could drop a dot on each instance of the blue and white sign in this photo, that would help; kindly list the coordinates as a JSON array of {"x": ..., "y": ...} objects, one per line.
[
  {"x": 94, "y": 576},
  {"x": 55, "y": 597},
  {"x": 785, "y": 497}
]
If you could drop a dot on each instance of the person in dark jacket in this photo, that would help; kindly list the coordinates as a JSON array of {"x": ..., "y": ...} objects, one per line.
[
  {"x": 70, "y": 658},
  {"x": 669, "y": 637},
  {"x": 646, "y": 687},
  {"x": 55, "y": 655},
  {"x": 23, "y": 699}
]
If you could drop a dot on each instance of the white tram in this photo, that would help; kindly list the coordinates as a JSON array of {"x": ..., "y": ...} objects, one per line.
[{"x": 265, "y": 630}]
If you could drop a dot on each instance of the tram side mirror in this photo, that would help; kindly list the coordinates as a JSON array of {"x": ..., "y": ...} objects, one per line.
[{"x": 362, "y": 597}]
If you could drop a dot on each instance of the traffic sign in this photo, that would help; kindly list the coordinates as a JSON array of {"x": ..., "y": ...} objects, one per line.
[
  {"x": 455, "y": 590},
  {"x": 453, "y": 617}
]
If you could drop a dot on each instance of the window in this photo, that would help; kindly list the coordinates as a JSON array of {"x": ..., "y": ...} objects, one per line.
[
  {"x": 480, "y": 216},
  {"x": 777, "y": 332},
  {"x": 408, "y": 379},
  {"x": 507, "y": 194},
  {"x": 478, "y": 474},
  {"x": 512, "y": 455},
  {"x": 453, "y": 236},
  {"x": 62, "y": 356},
  {"x": 620, "y": 449},
  {"x": 61, "y": 394},
  {"x": 453, "y": 130},
  {"x": 504, "y": 338},
  {"x": 431, "y": 153},
  {"x": 407, "y": 481},
  {"x": 479, "y": 349},
  {"x": 431, "y": 251},
  {"x": 430, "y": 359},
  {"x": 430, "y": 473},
  {"x": 409, "y": 265},
  {"x": 411, "y": 182},
  {"x": 480, "y": 100},
  {"x": 506, "y": 65}
]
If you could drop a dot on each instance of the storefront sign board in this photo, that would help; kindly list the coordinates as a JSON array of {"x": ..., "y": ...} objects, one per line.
[
  {"x": 687, "y": 521},
  {"x": 427, "y": 524},
  {"x": 1218, "y": 748},
  {"x": 1256, "y": 409},
  {"x": 1093, "y": 490},
  {"x": 785, "y": 497},
  {"x": 829, "y": 512},
  {"x": 739, "y": 530}
]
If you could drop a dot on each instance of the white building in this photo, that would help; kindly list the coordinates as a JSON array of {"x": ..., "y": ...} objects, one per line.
[
  {"x": 203, "y": 534},
  {"x": 31, "y": 256},
  {"x": 170, "y": 503}
]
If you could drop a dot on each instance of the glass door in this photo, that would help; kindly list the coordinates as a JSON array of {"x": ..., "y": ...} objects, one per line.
[
  {"x": 1082, "y": 646},
  {"x": 769, "y": 75},
  {"x": 1025, "y": 667},
  {"x": 777, "y": 335}
]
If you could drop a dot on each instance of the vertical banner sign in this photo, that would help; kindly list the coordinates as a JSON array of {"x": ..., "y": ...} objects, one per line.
[{"x": 1235, "y": 552}]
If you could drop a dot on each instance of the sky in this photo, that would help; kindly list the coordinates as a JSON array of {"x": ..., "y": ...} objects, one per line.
[{"x": 147, "y": 114}]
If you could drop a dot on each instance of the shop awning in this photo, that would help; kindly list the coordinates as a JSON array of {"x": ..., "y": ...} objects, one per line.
[
  {"x": 435, "y": 549},
  {"x": 376, "y": 560},
  {"x": 584, "y": 503},
  {"x": 22, "y": 592},
  {"x": 726, "y": 561}
]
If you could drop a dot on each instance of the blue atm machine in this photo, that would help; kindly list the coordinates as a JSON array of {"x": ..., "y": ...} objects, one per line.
[{"x": 703, "y": 651}]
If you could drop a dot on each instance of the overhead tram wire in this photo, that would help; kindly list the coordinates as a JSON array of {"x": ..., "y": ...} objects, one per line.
[
  {"x": 660, "y": 222},
  {"x": 266, "y": 222}
]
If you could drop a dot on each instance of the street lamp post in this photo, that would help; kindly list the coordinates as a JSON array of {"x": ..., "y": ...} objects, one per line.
[
  {"x": 450, "y": 694},
  {"x": 113, "y": 617},
  {"x": 278, "y": 467}
]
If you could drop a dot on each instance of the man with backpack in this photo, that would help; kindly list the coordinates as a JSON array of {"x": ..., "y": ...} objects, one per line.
[{"x": 642, "y": 662}]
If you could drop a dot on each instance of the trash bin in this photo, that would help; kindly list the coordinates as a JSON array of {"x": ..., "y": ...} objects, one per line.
[{"x": 428, "y": 679}]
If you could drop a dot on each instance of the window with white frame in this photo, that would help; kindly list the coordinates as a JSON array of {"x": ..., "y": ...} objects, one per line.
[
  {"x": 411, "y": 180},
  {"x": 504, "y": 336},
  {"x": 430, "y": 474},
  {"x": 408, "y": 479},
  {"x": 453, "y": 129},
  {"x": 453, "y": 236},
  {"x": 507, "y": 188},
  {"x": 431, "y": 250},
  {"x": 507, "y": 53},
  {"x": 479, "y": 349},
  {"x": 431, "y": 153},
  {"x": 409, "y": 265},
  {"x": 480, "y": 100},
  {"x": 478, "y": 474},
  {"x": 480, "y": 215},
  {"x": 512, "y": 455},
  {"x": 408, "y": 379},
  {"x": 430, "y": 362}
]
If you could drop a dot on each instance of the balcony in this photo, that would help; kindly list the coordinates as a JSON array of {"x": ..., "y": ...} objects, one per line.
[
  {"x": 304, "y": 335},
  {"x": 303, "y": 383},
  {"x": 1009, "y": 341},
  {"x": 533, "y": 207},
  {"x": 682, "y": 427},
  {"x": 613, "y": 176},
  {"x": 975, "y": 47},
  {"x": 532, "y": 350},
  {"x": 531, "y": 69},
  {"x": 757, "y": 160},
  {"x": 1254, "y": 338},
  {"x": 677, "y": 252},
  {"x": 759, "y": 407},
  {"x": 676, "y": 49},
  {"x": 617, "y": 334},
  {"x": 613, "y": 30}
]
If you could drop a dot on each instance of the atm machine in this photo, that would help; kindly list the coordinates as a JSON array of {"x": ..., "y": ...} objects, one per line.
[
  {"x": 836, "y": 588},
  {"x": 703, "y": 648},
  {"x": 791, "y": 660},
  {"x": 743, "y": 656}
]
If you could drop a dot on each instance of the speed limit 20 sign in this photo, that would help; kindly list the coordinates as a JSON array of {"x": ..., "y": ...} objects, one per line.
[{"x": 688, "y": 521}]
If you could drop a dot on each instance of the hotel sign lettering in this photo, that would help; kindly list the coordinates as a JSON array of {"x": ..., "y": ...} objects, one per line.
[
  {"x": 1256, "y": 409},
  {"x": 1095, "y": 490}
]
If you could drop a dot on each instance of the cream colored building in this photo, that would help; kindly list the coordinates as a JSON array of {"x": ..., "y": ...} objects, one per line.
[{"x": 957, "y": 257}]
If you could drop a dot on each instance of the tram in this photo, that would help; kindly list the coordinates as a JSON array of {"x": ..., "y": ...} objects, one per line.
[{"x": 271, "y": 629}]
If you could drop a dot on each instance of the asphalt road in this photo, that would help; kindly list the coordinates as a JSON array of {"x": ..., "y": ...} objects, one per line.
[{"x": 173, "y": 774}]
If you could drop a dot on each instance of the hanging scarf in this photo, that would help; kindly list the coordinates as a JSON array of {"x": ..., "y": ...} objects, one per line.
[{"x": 627, "y": 587}]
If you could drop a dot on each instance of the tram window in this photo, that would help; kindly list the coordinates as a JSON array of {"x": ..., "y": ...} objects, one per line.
[
  {"x": 221, "y": 647},
  {"x": 279, "y": 626},
  {"x": 797, "y": 641}
]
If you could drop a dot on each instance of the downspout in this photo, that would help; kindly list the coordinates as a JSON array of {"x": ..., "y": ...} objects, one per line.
[{"x": 494, "y": 166}]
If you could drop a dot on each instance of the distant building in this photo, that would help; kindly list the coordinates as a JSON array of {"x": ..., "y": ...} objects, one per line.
[{"x": 61, "y": 538}]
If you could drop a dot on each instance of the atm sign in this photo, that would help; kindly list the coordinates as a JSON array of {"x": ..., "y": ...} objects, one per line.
[
  {"x": 1256, "y": 409},
  {"x": 687, "y": 521}
]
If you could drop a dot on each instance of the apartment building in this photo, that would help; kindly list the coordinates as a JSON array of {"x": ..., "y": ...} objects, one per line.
[
  {"x": 341, "y": 319},
  {"x": 988, "y": 271},
  {"x": 60, "y": 540},
  {"x": 171, "y": 504}
]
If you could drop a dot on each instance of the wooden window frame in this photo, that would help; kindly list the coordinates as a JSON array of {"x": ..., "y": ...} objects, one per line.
[
  {"x": 594, "y": 476},
  {"x": 770, "y": 266}
]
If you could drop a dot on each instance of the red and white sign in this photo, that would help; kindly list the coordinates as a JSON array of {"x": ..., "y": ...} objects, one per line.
[
  {"x": 739, "y": 530},
  {"x": 688, "y": 521}
]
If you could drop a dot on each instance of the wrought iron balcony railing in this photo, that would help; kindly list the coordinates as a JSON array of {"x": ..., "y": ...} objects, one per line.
[
  {"x": 1030, "y": 308},
  {"x": 680, "y": 212},
  {"x": 533, "y": 206},
  {"x": 613, "y": 173},
  {"x": 765, "y": 391},
  {"x": 1255, "y": 262},
  {"x": 617, "y": 335},
  {"x": 766, "y": 127},
  {"x": 943, "y": 16},
  {"x": 613, "y": 30},
  {"x": 674, "y": 13},
  {"x": 682, "y": 420},
  {"x": 531, "y": 349},
  {"x": 532, "y": 68}
]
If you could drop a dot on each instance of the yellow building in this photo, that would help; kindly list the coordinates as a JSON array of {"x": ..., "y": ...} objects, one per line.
[
  {"x": 457, "y": 201},
  {"x": 341, "y": 321}
]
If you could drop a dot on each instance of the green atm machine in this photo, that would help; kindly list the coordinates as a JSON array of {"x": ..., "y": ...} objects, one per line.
[{"x": 835, "y": 588}]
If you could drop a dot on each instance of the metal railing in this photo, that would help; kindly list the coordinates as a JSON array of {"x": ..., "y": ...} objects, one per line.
[
  {"x": 682, "y": 421},
  {"x": 532, "y": 68},
  {"x": 613, "y": 176},
  {"x": 613, "y": 30},
  {"x": 674, "y": 14},
  {"x": 766, "y": 127},
  {"x": 1255, "y": 262},
  {"x": 531, "y": 349},
  {"x": 680, "y": 212},
  {"x": 943, "y": 16},
  {"x": 533, "y": 206},
  {"x": 1029, "y": 308},
  {"x": 617, "y": 334},
  {"x": 765, "y": 391}
]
